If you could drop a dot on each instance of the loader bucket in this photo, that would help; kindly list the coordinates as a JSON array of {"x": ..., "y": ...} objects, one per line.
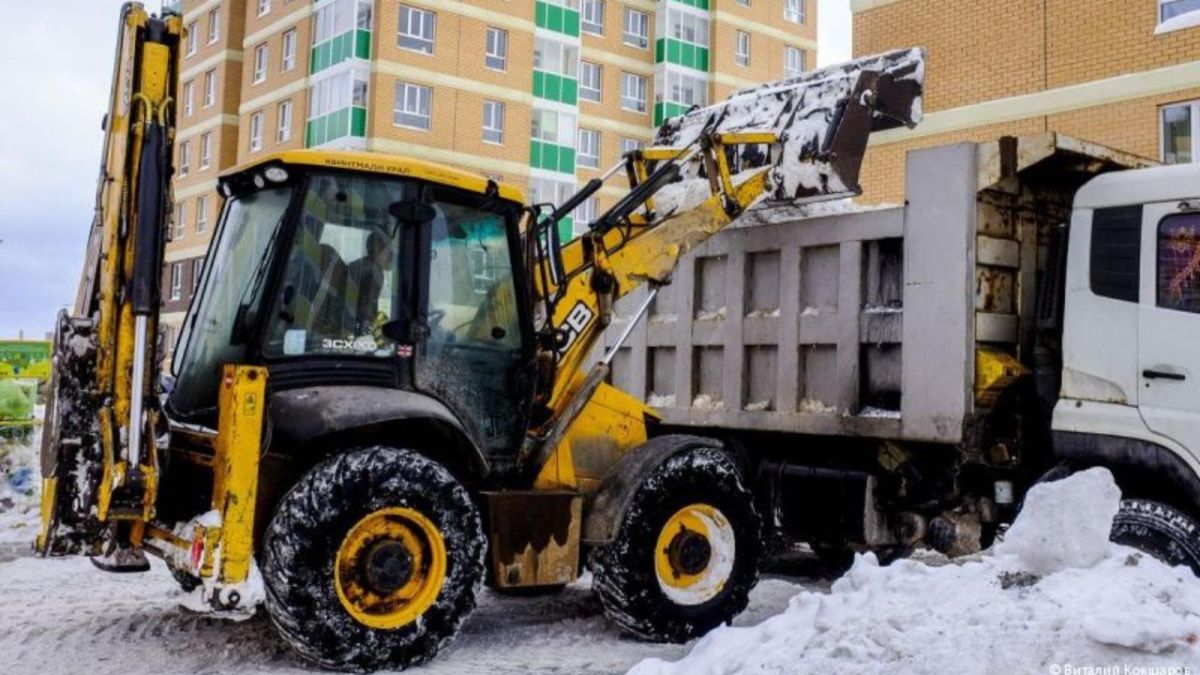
[{"x": 822, "y": 119}]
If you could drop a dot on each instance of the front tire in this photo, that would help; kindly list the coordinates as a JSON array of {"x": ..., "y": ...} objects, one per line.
[
  {"x": 1160, "y": 530},
  {"x": 373, "y": 560},
  {"x": 686, "y": 554}
]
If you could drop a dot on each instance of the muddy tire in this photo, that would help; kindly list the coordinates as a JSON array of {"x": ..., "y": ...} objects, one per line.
[
  {"x": 657, "y": 579},
  {"x": 1159, "y": 530},
  {"x": 373, "y": 560}
]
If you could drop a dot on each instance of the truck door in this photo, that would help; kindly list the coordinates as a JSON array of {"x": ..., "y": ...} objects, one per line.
[{"x": 1169, "y": 324}]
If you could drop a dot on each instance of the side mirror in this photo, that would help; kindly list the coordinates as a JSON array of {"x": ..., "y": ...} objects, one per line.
[{"x": 412, "y": 211}]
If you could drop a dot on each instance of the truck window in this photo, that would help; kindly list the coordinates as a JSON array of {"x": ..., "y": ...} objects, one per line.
[
  {"x": 1179, "y": 262},
  {"x": 1116, "y": 252}
]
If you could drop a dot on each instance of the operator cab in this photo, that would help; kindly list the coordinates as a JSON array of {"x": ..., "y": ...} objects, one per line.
[{"x": 345, "y": 269}]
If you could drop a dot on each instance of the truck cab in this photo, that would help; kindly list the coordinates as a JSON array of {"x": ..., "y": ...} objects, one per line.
[{"x": 1130, "y": 391}]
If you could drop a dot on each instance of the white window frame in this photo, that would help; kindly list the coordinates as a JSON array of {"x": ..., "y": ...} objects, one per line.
[
  {"x": 635, "y": 29},
  {"x": 262, "y": 54},
  {"x": 791, "y": 69},
  {"x": 214, "y": 25},
  {"x": 584, "y": 214},
  {"x": 197, "y": 273},
  {"x": 794, "y": 11},
  {"x": 264, "y": 7},
  {"x": 493, "y": 122},
  {"x": 741, "y": 52},
  {"x": 407, "y": 102},
  {"x": 419, "y": 26},
  {"x": 630, "y": 144},
  {"x": 201, "y": 213},
  {"x": 744, "y": 3},
  {"x": 283, "y": 121},
  {"x": 256, "y": 131},
  {"x": 547, "y": 52},
  {"x": 553, "y": 126},
  {"x": 180, "y": 221},
  {"x": 583, "y": 147},
  {"x": 591, "y": 17},
  {"x": 682, "y": 87},
  {"x": 176, "y": 281},
  {"x": 1163, "y": 4},
  {"x": 185, "y": 158},
  {"x": 289, "y": 51},
  {"x": 189, "y": 97},
  {"x": 495, "y": 51},
  {"x": 633, "y": 92},
  {"x": 681, "y": 21},
  {"x": 205, "y": 150},
  {"x": 193, "y": 38},
  {"x": 210, "y": 88},
  {"x": 1194, "y": 107},
  {"x": 584, "y": 83}
]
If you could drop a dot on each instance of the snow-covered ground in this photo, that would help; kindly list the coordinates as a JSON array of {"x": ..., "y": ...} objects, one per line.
[{"x": 1055, "y": 594}]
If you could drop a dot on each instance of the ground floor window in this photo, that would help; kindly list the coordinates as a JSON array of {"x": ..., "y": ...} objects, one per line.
[
  {"x": 1169, "y": 9},
  {"x": 1180, "y": 125}
]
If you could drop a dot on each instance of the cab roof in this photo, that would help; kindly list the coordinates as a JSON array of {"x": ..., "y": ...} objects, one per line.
[
  {"x": 378, "y": 162},
  {"x": 1178, "y": 182}
]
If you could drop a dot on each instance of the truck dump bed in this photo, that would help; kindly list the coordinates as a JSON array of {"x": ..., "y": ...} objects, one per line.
[{"x": 865, "y": 322}]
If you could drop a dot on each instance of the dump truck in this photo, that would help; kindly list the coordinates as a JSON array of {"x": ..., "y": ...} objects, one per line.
[
  {"x": 383, "y": 392},
  {"x": 899, "y": 376}
]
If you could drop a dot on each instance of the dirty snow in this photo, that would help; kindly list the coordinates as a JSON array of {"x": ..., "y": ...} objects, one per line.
[
  {"x": 707, "y": 402},
  {"x": 812, "y": 405},
  {"x": 1018, "y": 609},
  {"x": 879, "y": 413},
  {"x": 661, "y": 400}
]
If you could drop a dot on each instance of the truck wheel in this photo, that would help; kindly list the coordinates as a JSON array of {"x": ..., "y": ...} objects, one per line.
[
  {"x": 686, "y": 554},
  {"x": 373, "y": 560},
  {"x": 1162, "y": 531}
]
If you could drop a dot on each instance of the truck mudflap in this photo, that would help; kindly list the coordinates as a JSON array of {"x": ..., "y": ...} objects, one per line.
[{"x": 822, "y": 138}]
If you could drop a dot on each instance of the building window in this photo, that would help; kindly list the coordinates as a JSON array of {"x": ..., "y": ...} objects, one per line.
[
  {"x": 682, "y": 88},
  {"x": 549, "y": 191},
  {"x": 585, "y": 214},
  {"x": 176, "y": 281},
  {"x": 284, "y": 133},
  {"x": 631, "y": 144},
  {"x": 180, "y": 221},
  {"x": 633, "y": 92},
  {"x": 188, "y": 97},
  {"x": 555, "y": 57},
  {"x": 742, "y": 55},
  {"x": 197, "y": 272},
  {"x": 264, "y": 6},
  {"x": 1180, "y": 131},
  {"x": 289, "y": 51},
  {"x": 1179, "y": 262},
  {"x": 210, "y": 88},
  {"x": 1169, "y": 9},
  {"x": 588, "y": 151},
  {"x": 412, "y": 106},
  {"x": 553, "y": 127},
  {"x": 793, "y": 10},
  {"x": 417, "y": 28},
  {"x": 496, "y": 56},
  {"x": 637, "y": 29},
  {"x": 592, "y": 20},
  {"x": 744, "y": 3},
  {"x": 590, "y": 77},
  {"x": 193, "y": 38},
  {"x": 185, "y": 158},
  {"x": 256, "y": 131},
  {"x": 686, "y": 26},
  {"x": 214, "y": 26},
  {"x": 793, "y": 62},
  {"x": 201, "y": 213},
  {"x": 260, "y": 63},
  {"x": 493, "y": 122},
  {"x": 205, "y": 150}
]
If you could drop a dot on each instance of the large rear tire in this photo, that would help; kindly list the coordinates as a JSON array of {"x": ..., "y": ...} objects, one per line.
[
  {"x": 373, "y": 560},
  {"x": 1160, "y": 530},
  {"x": 686, "y": 554}
]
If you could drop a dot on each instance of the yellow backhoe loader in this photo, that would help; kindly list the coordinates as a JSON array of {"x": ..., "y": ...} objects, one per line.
[{"x": 387, "y": 389}]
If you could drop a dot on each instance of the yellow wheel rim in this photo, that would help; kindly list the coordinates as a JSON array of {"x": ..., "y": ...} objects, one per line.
[
  {"x": 390, "y": 568},
  {"x": 694, "y": 554}
]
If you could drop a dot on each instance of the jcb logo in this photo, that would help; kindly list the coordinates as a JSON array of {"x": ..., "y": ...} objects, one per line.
[{"x": 577, "y": 320}]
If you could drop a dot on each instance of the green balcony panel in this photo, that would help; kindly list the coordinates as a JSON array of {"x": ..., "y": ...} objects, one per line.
[
  {"x": 664, "y": 110},
  {"x": 358, "y": 122},
  {"x": 556, "y": 18},
  {"x": 362, "y": 44},
  {"x": 698, "y": 4},
  {"x": 566, "y": 229},
  {"x": 681, "y": 53},
  {"x": 555, "y": 87}
]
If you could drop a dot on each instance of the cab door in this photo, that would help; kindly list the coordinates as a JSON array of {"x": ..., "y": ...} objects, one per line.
[{"x": 1169, "y": 324}]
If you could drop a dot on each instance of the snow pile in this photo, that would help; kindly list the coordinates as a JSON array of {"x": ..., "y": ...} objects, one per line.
[{"x": 1057, "y": 593}]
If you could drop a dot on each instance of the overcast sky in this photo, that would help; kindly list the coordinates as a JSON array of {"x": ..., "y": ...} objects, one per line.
[{"x": 55, "y": 69}]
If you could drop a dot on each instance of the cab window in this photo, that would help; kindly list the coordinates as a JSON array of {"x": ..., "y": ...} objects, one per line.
[{"x": 1179, "y": 262}]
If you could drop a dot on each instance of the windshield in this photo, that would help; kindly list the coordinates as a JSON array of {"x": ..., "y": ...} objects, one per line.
[{"x": 250, "y": 224}]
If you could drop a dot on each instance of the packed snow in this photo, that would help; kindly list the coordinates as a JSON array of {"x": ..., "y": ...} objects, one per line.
[{"x": 1055, "y": 593}]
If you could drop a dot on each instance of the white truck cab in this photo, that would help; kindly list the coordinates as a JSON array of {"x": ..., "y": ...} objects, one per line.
[{"x": 1130, "y": 393}]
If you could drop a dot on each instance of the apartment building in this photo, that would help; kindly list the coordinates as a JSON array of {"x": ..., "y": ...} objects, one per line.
[
  {"x": 544, "y": 94},
  {"x": 1120, "y": 73}
]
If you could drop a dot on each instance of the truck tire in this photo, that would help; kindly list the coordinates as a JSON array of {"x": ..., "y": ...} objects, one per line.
[
  {"x": 685, "y": 556},
  {"x": 373, "y": 560},
  {"x": 1162, "y": 531}
]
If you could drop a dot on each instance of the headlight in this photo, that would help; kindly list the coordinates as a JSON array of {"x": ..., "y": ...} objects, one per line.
[
  {"x": 259, "y": 181},
  {"x": 276, "y": 174}
]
